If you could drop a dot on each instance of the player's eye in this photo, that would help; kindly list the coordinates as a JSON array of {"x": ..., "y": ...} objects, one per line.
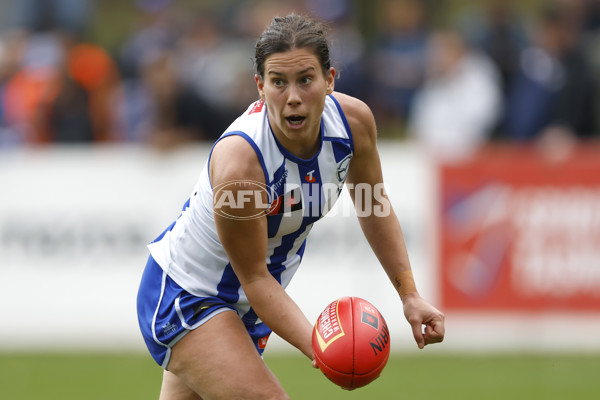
[
  {"x": 278, "y": 82},
  {"x": 306, "y": 80}
]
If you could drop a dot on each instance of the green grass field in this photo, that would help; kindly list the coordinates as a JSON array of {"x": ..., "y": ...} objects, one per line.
[{"x": 97, "y": 376}]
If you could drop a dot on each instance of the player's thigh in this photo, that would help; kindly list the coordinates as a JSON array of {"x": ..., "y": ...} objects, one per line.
[
  {"x": 174, "y": 388},
  {"x": 218, "y": 360}
]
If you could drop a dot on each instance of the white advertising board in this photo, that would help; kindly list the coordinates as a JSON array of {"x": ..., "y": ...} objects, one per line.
[{"x": 74, "y": 223}]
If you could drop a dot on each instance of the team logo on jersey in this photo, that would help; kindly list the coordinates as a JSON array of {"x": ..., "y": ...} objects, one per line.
[
  {"x": 309, "y": 177},
  {"x": 342, "y": 168},
  {"x": 257, "y": 107}
]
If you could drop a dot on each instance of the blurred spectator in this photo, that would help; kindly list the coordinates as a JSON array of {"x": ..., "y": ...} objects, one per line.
[
  {"x": 591, "y": 16},
  {"x": 224, "y": 71},
  {"x": 157, "y": 109},
  {"x": 348, "y": 45},
  {"x": 398, "y": 60},
  {"x": 459, "y": 103},
  {"x": 218, "y": 70},
  {"x": 555, "y": 92},
  {"x": 29, "y": 86},
  {"x": 176, "y": 114},
  {"x": 496, "y": 28},
  {"x": 186, "y": 70},
  {"x": 12, "y": 44},
  {"x": 151, "y": 38},
  {"x": 60, "y": 92},
  {"x": 65, "y": 115},
  {"x": 44, "y": 15},
  {"x": 181, "y": 77},
  {"x": 154, "y": 31},
  {"x": 81, "y": 110}
]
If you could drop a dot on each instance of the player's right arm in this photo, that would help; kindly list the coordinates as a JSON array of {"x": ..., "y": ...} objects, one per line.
[{"x": 245, "y": 242}]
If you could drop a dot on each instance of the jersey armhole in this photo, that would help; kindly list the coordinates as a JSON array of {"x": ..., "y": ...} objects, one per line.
[
  {"x": 254, "y": 146},
  {"x": 344, "y": 120}
]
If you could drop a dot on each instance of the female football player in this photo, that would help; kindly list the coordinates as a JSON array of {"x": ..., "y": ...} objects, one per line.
[{"x": 213, "y": 287}]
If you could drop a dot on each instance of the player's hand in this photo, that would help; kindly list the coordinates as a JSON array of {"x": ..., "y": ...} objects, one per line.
[{"x": 426, "y": 321}]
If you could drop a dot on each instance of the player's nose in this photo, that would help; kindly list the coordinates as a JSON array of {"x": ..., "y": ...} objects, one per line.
[{"x": 294, "y": 98}]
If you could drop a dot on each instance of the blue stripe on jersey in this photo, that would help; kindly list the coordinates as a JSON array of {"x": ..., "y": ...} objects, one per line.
[
  {"x": 229, "y": 286},
  {"x": 277, "y": 186},
  {"x": 250, "y": 317},
  {"x": 185, "y": 206},
  {"x": 301, "y": 249},
  {"x": 280, "y": 254},
  {"x": 346, "y": 125},
  {"x": 164, "y": 232},
  {"x": 273, "y": 223},
  {"x": 340, "y": 149}
]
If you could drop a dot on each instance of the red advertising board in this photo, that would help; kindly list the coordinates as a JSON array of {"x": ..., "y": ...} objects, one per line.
[{"x": 520, "y": 232}]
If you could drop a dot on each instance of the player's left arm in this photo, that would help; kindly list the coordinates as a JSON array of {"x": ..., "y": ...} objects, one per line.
[{"x": 380, "y": 224}]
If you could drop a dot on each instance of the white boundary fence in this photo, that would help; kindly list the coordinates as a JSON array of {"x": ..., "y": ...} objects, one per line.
[{"x": 74, "y": 222}]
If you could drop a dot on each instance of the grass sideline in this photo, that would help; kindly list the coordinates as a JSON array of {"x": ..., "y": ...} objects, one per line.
[{"x": 416, "y": 376}]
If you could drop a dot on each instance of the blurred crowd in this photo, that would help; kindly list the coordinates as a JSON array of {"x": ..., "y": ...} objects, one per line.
[{"x": 486, "y": 71}]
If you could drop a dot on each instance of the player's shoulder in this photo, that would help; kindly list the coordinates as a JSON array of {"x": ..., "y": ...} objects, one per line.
[
  {"x": 250, "y": 121},
  {"x": 360, "y": 119},
  {"x": 354, "y": 108},
  {"x": 234, "y": 158},
  {"x": 234, "y": 155}
]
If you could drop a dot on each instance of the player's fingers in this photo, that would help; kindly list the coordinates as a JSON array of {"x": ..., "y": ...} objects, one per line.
[
  {"x": 418, "y": 334},
  {"x": 434, "y": 332},
  {"x": 314, "y": 364}
]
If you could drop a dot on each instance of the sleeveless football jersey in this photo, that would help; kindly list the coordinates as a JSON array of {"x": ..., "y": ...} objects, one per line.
[{"x": 300, "y": 193}]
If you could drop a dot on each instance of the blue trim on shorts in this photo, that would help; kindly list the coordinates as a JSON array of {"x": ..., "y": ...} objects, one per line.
[{"x": 166, "y": 312}]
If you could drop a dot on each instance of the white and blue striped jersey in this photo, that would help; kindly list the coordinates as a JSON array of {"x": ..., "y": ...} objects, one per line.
[{"x": 301, "y": 192}]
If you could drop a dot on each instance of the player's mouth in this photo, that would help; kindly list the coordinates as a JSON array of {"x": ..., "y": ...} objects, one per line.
[{"x": 295, "y": 121}]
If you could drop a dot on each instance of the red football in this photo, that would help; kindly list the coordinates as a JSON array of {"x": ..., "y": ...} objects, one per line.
[{"x": 351, "y": 342}]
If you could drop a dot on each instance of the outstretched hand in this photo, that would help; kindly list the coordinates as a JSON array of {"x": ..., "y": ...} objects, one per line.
[{"x": 426, "y": 321}]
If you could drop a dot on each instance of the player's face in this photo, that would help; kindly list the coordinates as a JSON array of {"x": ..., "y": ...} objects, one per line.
[{"x": 294, "y": 89}]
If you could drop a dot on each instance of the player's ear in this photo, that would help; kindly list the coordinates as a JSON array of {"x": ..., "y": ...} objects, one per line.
[
  {"x": 330, "y": 78},
  {"x": 260, "y": 85}
]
